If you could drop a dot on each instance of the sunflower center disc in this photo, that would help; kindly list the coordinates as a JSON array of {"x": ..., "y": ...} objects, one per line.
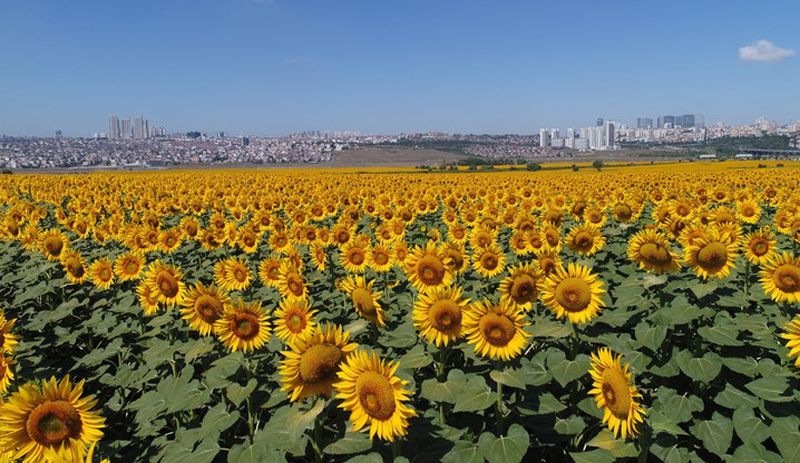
[
  {"x": 489, "y": 261},
  {"x": 430, "y": 270},
  {"x": 616, "y": 392},
  {"x": 523, "y": 289},
  {"x": 456, "y": 261},
  {"x": 573, "y": 294},
  {"x": 362, "y": 299},
  {"x": 583, "y": 241},
  {"x": 245, "y": 326},
  {"x": 167, "y": 284},
  {"x": 357, "y": 256},
  {"x": 239, "y": 274},
  {"x": 52, "y": 422},
  {"x": 713, "y": 256},
  {"x": 381, "y": 258},
  {"x": 787, "y": 278},
  {"x": 376, "y": 395},
  {"x": 498, "y": 330},
  {"x": 131, "y": 267},
  {"x": 208, "y": 307},
  {"x": 445, "y": 315},
  {"x": 320, "y": 363},
  {"x": 296, "y": 323},
  {"x": 53, "y": 245},
  {"x": 294, "y": 285},
  {"x": 759, "y": 248}
]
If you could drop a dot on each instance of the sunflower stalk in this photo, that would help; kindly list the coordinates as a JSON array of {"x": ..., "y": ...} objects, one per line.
[
  {"x": 500, "y": 406},
  {"x": 316, "y": 436}
]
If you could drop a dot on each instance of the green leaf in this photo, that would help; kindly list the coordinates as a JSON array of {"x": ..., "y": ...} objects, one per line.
[
  {"x": 510, "y": 448},
  {"x": 680, "y": 311},
  {"x": 565, "y": 371},
  {"x": 447, "y": 391},
  {"x": 748, "y": 427},
  {"x": 218, "y": 419},
  {"x": 771, "y": 389},
  {"x": 593, "y": 456},
  {"x": 417, "y": 357},
  {"x": 402, "y": 337},
  {"x": 475, "y": 396},
  {"x": 681, "y": 407},
  {"x": 720, "y": 334},
  {"x": 536, "y": 371},
  {"x": 546, "y": 328},
  {"x": 463, "y": 452},
  {"x": 511, "y": 377},
  {"x": 702, "y": 369},
  {"x": 702, "y": 289},
  {"x": 619, "y": 448},
  {"x": 350, "y": 443},
  {"x": 788, "y": 445},
  {"x": 569, "y": 426},
  {"x": 734, "y": 398},
  {"x": 650, "y": 336},
  {"x": 716, "y": 434},
  {"x": 237, "y": 393},
  {"x": 746, "y": 366},
  {"x": 661, "y": 422}
]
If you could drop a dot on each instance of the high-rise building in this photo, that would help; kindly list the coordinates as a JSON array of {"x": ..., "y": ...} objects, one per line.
[
  {"x": 554, "y": 135},
  {"x": 644, "y": 123},
  {"x": 125, "y": 129},
  {"x": 59, "y": 134},
  {"x": 611, "y": 136},
  {"x": 138, "y": 127},
  {"x": 544, "y": 140},
  {"x": 599, "y": 122},
  {"x": 113, "y": 127},
  {"x": 666, "y": 122}
]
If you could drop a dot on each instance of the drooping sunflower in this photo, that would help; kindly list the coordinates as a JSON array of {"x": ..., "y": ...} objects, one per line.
[
  {"x": 780, "y": 278},
  {"x": 8, "y": 340},
  {"x": 520, "y": 287},
  {"x": 652, "y": 251},
  {"x": 202, "y": 306},
  {"x": 148, "y": 297},
  {"x": 54, "y": 422},
  {"x": 575, "y": 293},
  {"x": 496, "y": 330},
  {"x": 314, "y": 359},
  {"x": 74, "y": 267},
  {"x": 438, "y": 315},
  {"x": 791, "y": 333},
  {"x": 712, "y": 255},
  {"x": 319, "y": 256},
  {"x": 366, "y": 301},
  {"x": 52, "y": 243},
  {"x": 232, "y": 274},
  {"x": 374, "y": 395},
  {"x": 167, "y": 280},
  {"x": 490, "y": 261},
  {"x": 585, "y": 239},
  {"x": 760, "y": 246},
  {"x": 426, "y": 268},
  {"x": 294, "y": 318},
  {"x": 243, "y": 326},
  {"x": 101, "y": 273},
  {"x": 128, "y": 266},
  {"x": 615, "y": 393}
]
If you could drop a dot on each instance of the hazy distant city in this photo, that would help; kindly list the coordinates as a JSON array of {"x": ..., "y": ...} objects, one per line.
[{"x": 134, "y": 142}]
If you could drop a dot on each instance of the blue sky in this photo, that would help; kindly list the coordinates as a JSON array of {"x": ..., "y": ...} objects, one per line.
[{"x": 272, "y": 67}]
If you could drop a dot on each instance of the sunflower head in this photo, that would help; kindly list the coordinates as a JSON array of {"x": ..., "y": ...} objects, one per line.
[
  {"x": 365, "y": 300},
  {"x": 521, "y": 286},
  {"x": 202, "y": 306},
  {"x": 496, "y": 330},
  {"x": 490, "y": 261},
  {"x": 427, "y": 269},
  {"x": 574, "y": 293},
  {"x": 294, "y": 318},
  {"x": 243, "y": 326},
  {"x": 615, "y": 393},
  {"x": 780, "y": 278},
  {"x": 652, "y": 251},
  {"x": 438, "y": 315},
  {"x": 791, "y": 333}
]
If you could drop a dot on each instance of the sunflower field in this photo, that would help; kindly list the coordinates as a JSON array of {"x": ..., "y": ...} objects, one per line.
[{"x": 635, "y": 314}]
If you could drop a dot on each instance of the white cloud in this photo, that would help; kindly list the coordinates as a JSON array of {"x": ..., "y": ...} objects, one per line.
[{"x": 764, "y": 51}]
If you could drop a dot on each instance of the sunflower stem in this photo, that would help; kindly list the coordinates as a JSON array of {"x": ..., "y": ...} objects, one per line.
[
  {"x": 644, "y": 446},
  {"x": 747, "y": 280},
  {"x": 397, "y": 447},
  {"x": 499, "y": 407}
]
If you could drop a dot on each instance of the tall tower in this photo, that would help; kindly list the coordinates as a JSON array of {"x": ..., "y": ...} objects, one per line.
[
  {"x": 544, "y": 140},
  {"x": 113, "y": 127},
  {"x": 125, "y": 128},
  {"x": 611, "y": 136}
]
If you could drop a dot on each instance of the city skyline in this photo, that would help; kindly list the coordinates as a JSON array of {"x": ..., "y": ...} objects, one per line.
[{"x": 275, "y": 67}]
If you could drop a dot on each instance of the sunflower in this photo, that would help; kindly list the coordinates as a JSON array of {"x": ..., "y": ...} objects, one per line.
[
  {"x": 712, "y": 255},
  {"x": 482, "y": 237},
  {"x": 128, "y": 266},
  {"x": 248, "y": 241},
  {"x": 269, "y": 271},
  {"x": 52, "y": 243},
  {"x": 496, "y": 330},
  {"x": 50, "y": 423},
  {"x": 615, "y": 393},
  {"x": 8, "y": 340},
  {"x": 366, "y": 301},
  {"x": 437, "y": 315},
  {"x": 490, "y": 261},
  {"x": 291, "y": 282},
  {"x": 748, "y": 211},
  {"x": 374, "y": 395},
  {"x": 780, "y": 278},
  {"x": 426, "y": 268},
  {"x": 148, "y": 297},
  {"x": 792, "y": 336},
  {"x": 520, "y": 287},
  {"x": 294, "y": 318},
  {"x": 379, "y": 258},
  {"x": 166, "y": 279},
  {"x": 400, "y": 252},
  {"x": 170, "y": 240},
  {"x": 6, "y": 374},
  {"x": 314, "y": 359},
  {"x": 319, "y": 256},
  {"x": 202, "y": 306},
  {"x": 455, "y": 258},
  {"x": 760, "y": 246},
  {"x": 574, "y": 293},
  {"x": 652, "y": 251},
  {"x": 585, "y": 239},
  {"x": 74, "y": 267},
  {"x": 279, "y": 241},
  {"x": 101, "y": 272},
  {"x": 242, "y": 326},
  {"x": 353, "y": 257},
  {"x": 232, "y": 274}
]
